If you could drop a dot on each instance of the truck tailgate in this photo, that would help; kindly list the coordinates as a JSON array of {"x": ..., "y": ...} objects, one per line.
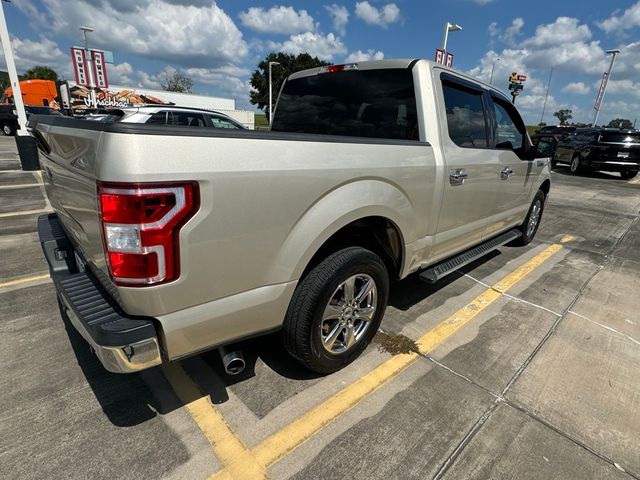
[{"x": 70, "y": 172}]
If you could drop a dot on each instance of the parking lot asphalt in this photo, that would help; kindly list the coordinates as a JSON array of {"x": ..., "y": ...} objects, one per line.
[{"x": 522, "y": 365}]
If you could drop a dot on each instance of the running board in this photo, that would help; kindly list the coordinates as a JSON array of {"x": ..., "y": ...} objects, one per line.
[{"x": 435, "y": 273}]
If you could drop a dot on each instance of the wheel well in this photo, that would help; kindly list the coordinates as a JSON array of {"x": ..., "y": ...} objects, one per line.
[
  {"x": 378, "y": 234},
  {"x": 545, "y": 187}
]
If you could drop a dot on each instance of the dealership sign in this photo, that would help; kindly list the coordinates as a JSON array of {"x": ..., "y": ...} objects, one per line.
[{"x": 80, "y": 66}]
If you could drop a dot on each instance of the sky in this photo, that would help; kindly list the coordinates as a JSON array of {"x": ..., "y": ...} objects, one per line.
[{"x": 218, "y": 44}]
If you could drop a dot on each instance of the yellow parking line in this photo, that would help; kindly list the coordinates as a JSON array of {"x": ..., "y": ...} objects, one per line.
[
  {"x": 290, "y": 437},
  {"x": 239, "y": 462},
  {"x": 25, "y": 212},
  {"x": 20, "y": 281}
]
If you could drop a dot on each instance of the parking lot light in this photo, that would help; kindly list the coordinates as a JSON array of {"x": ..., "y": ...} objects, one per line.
[
  {"x": 613, "y": 54},
  {"x": 271, "y": 93},
  {"x": 449, "y": 27}
]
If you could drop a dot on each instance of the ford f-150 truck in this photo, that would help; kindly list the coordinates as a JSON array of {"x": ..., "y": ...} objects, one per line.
[{"x": 168, "y": 241}]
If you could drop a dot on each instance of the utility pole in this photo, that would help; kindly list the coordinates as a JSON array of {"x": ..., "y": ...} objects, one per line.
[
  {"x": 13, "y": 74},
  {"x": 603, "y": 88},
  {"x": 271, "y": 93},
  {"x": 546, "y": 95}
]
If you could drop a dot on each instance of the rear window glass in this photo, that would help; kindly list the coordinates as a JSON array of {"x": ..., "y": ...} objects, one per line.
[
  {"x": 367, "y": 103},
  {"x": 620, "y": 137}
]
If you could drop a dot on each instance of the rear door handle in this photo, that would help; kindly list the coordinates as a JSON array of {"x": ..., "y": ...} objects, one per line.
[
  {"x": 505, "y": 172},
  {"x": 457, "y": 176}
]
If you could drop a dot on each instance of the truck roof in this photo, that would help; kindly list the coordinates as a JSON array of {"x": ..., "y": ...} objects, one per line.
[{"x": 396, "y": 63}]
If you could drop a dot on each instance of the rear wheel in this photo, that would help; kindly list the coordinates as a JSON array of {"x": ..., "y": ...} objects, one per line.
[
  {"x": 336, "y": 310},
  {"x": 532, "y": 221},
  {"x": 628, "y": 174},
  {"x": 575, "y": 166}
]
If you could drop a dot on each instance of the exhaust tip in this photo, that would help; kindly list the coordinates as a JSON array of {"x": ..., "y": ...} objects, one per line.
[{"x": 233, "y": 361}]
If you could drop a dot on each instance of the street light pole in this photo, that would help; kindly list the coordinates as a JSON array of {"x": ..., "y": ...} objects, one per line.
[
  {"x": 546, "y": 95},
  {"x": 613, "y": 54},
  {"x": 449, "y": 27},
  {"x": 89, "y": 63},
  {"x": 493, "y": 67},
  {"x": 271, "y": 93},
  {"x": 13, "y": 74}
]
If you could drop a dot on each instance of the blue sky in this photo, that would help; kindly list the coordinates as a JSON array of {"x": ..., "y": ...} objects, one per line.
[{"x": 218, "y": 44}]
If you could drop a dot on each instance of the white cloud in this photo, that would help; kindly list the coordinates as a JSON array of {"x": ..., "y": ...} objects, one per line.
[
  {"x": 577, "y": 88},
  {"x": 187, "y": 33},
  {"x": 315, "y": 44},
  {"x": 360, "y": 56},
  {"x": 278, "y": 19},
  {"x": 565, "y": 30},
  {"x": 30, "y": 53},
  {"x": 622, "y": 21},
  {"x": 382, "y": 17},
  {"x": 509, "y": 34},
  {"x": 340, "y": 17}
]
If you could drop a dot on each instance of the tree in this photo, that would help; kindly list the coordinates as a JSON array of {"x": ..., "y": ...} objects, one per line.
[
  {"x": 288, "y": 65},
  {"x": 176, "y": 82},
  {"x": 563, "y": 115},
  {"x": 620, "y": 123},
  {"x": 41, "y": 73}
]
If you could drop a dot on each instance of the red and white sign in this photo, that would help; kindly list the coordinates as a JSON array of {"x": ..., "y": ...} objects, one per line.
[
  {"x": 603, "y": 85},
  {"x": 99, "y": 69},
  {"x": 448, "y": 59},
  {"x": 80, "y": 67},
  {"x": 522, "y": 78},
  {"x": 443, "y": 58}
]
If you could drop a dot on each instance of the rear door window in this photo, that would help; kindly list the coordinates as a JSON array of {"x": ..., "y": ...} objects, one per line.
[
  {"x": 220, "y": 122},
  {"x": 466, "y": 119},
  {"x": 361, "y": 103},
  {"x": 159, "y": 118},
  {"x": 186, "y": 119}
]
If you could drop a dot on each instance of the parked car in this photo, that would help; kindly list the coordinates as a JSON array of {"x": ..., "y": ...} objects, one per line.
[
  {"x": 179, "y": 116},
  {"x": 557, "y": 132},
  {"x": 606, "y": 149},
  {"x": 164, "y": 243},
  {"x": 9, "y": 117}
]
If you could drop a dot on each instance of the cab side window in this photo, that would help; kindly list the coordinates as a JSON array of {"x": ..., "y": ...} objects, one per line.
[
  {"x": 159, "y": 118},
  {"x": 466, "y": 118},
  {"x": 509, "y": 128}
]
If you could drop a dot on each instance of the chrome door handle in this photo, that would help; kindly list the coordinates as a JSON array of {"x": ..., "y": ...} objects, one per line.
[
  {"x": 457, "y": 176},
  {"x": 505, "y": 172}
]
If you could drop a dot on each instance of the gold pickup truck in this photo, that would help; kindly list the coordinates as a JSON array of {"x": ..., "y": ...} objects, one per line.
[{"x": 170, "y": 240}]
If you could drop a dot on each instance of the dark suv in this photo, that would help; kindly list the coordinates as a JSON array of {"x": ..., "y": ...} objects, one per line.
[
  {"x": 610, "y": 150},
  {"x": 557, "y": 132}
]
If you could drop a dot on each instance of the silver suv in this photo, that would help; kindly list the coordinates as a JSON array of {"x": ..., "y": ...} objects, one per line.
[{"x": 179, "y": 116}]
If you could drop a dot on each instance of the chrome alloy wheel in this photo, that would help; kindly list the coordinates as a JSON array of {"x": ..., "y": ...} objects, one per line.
[
  {"x": 349, "y": 313},
  {"x": 534, "y": 218}
]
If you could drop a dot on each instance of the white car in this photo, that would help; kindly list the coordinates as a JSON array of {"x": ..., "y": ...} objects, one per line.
[{"x": 179, "y": 116}]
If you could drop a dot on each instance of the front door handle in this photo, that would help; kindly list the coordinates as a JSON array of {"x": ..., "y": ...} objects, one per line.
[
  {"x": 457, "y": 176},
  {"x": 505, "y": 172}
]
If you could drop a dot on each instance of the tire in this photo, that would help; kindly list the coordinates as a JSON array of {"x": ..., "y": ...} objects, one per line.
[
  {"x": 529, "y": 227},
  {"x": 575, "y": 166},
  {"x": 319, "y": 320},
  {"x": 628, "y": 174},
  {"x": 8, "y": 129}
]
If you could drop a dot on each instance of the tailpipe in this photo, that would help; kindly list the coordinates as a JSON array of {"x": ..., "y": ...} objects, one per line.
[{"x": 232, "y": 360}]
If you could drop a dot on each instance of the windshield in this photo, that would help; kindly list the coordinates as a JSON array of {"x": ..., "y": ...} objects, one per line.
[
  {"x": 617, "y": 137},
  {"x": 367, "y": 103}
]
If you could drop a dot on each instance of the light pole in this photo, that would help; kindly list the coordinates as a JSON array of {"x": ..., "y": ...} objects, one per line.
[
  {"x": 13, "y": 74},
  {"x": 613, "y": 54},
  {"x": 493, "y": 67},
  {"x": 271, "y": 93},
  {"x": 89, "y": 63},
  {"x": 546, "y": 95},
  {"x": 449, "y": 27}
]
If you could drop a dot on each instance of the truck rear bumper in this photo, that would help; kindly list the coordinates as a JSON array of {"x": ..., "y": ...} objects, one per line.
[{"x": 123, "y": 344}]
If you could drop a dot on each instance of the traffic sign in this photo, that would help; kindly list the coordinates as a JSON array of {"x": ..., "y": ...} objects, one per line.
[{"x": 522, "y": 78}]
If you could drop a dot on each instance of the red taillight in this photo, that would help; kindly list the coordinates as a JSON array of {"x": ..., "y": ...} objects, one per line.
[{"x": 140, "y": 226}]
